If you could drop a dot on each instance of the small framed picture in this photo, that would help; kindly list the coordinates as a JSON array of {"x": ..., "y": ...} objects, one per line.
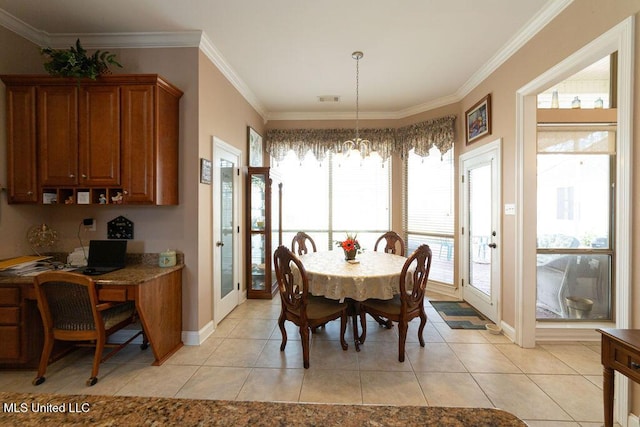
[
  {"x": 205, "y": 171},
  {"x": 478, "y": 120},
  {"x": 254, "y": 140}
]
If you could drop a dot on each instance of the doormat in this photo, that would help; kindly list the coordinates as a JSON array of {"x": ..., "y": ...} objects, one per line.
[{"x": 460, "y": 315}]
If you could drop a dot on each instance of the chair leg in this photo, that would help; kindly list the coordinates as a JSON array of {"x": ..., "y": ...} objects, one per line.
[
  {"x": 97, "y": 358},
  {"x": 402, "y": 332},
  {"x": 304, "y": 336},
  {"x": 44, "y": 359},
  {"x": 283, "y": 331},
  {"x": 363, "y": 321},
  {"x": 145, "y": 342},
  {"x": 343, "y": 329},
  {"x": 423, "y": 323}
]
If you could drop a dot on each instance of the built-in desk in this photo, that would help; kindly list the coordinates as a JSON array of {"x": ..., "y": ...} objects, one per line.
[
  {"x": 157, "y": 293},
  {"x": 620, "y": 352}
]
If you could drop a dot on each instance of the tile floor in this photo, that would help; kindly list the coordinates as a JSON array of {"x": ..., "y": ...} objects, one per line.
[{"x": 554, "y": 384}]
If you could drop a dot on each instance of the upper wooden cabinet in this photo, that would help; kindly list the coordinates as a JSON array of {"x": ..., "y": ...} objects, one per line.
[{"x": 88, "y": 141}]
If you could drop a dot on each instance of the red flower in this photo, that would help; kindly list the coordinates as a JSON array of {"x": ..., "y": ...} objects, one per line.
[{"x": 348, "y": 245}]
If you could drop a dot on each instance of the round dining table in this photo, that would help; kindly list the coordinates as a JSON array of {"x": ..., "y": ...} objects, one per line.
[{"x": 372, "y": 275}]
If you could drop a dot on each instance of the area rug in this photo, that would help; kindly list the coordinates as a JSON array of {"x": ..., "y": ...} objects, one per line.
[
  {"x": 22, "y": 409},
  {"x": 460, "y": 315}
]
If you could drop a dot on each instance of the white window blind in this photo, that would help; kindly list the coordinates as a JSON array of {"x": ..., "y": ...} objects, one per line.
[{"x": 338, "y": 195}]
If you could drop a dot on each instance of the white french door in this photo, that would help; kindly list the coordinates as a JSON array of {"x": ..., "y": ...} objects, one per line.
[
  {"x": 226, "y": 188},
  {"x": 480, "y": 229}
]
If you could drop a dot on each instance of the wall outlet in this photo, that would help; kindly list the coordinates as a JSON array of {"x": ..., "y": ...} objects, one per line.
[{"x": 89, "y": 224}]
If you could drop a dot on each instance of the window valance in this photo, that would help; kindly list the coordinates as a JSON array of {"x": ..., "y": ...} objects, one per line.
[{"x": 385, "y": 141}]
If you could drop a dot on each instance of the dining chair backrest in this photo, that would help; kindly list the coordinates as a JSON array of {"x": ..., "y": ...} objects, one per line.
[
  {"x": 299, "y": 243},
  {"x": 394, "y": 244},
  {"x": 293, "y": 288},
  {"x": 414, "y": 276}
]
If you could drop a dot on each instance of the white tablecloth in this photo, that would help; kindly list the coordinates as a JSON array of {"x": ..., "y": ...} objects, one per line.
[{"x": 376, "y": 275}]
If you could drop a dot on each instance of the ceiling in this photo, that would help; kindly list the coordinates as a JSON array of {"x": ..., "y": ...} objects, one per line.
[{"x": 283, "y": 54}]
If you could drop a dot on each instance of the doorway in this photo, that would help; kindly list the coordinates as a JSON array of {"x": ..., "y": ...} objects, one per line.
[
  {"x": 226, "y": 188},
  {"x": 480, "y": 204}
]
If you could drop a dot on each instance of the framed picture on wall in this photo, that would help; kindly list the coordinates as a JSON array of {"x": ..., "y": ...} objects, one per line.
[
  {"x": 478, "y": 120},
  {"x": 205, "y": 171},
  {"x": 254, "y": 140}
]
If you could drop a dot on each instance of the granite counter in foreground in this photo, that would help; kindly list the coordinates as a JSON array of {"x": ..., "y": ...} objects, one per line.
[{"x": 21, "y": 409}]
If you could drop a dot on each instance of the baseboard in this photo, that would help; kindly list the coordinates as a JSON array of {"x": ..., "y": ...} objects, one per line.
[
  {"x": 198, "y": 337},
  {"x": 567, "y": 332},
  {"x": 633, "y": 421},
  {"x": 443, "y": 289},
  {"x": 508, "y": 331}
]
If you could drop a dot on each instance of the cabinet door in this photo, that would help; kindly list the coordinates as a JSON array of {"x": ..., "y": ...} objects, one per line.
[
  {"x": 58, "y": 135},
  {"x": 21, "y": 144},
  {"x": 138, "y": 136},
  {"x": 99, "y": 136}
]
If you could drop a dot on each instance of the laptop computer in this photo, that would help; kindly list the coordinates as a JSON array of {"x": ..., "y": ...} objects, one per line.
[{"x": 105, "y": 256}]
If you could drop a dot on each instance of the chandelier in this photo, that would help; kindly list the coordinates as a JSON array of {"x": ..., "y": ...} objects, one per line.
[{"x": 357, "y": 143}]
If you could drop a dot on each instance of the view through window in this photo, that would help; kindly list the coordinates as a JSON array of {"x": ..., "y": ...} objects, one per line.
[
  {"x": 430, "y": 209},
  {"x": 341, "y": 194}
]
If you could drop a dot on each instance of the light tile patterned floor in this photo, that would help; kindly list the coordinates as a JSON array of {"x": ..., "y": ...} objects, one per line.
[{"x": 554, "y": 384}]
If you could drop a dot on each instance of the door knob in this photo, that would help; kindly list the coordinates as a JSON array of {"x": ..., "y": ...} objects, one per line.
[
  {"x": 492, "y": 245},
  {"x": 219, "y": 244}
]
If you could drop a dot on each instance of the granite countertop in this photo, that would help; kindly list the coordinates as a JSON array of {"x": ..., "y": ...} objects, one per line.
[
  {"x": 39, "y": 409},
  {"x": 139, "y": 268}
]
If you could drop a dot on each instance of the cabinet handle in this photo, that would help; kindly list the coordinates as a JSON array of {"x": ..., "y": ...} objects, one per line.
[
  {"x": 71, "y": 175},
  {"x": 84, "y": 176},
  {"x": 635, "y": 365},
  {"x": 29, "y": 193},
  {"x": 125, "y": 192}
]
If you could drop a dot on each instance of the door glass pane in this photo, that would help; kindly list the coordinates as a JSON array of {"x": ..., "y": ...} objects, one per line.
[
  {"x": 479, "y": 182},
  {"x": 226, "y": 226}
]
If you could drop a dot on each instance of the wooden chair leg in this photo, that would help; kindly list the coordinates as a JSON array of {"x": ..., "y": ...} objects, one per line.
[
  {"x": 44, "y": 359},
  {"x": 304, "y": 336},
  {"x": 402, "y": 332},
  {"x": 363, "y": 321},
  {"x": 423, "y": 323},
  {"x": 343, "y": 329},
  {"x": 97, "y": 358},
  {"x": 283, "y": 331}
]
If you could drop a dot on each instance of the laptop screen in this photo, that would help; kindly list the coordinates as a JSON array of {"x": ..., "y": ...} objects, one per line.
[{"x": 107, "y": 253}]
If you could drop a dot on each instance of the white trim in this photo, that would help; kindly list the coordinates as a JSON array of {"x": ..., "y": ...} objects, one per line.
[
  {"x": 495, "y": 148},
  {"x": 443, "y": 289},
  {"x": 620, "y": 38},
  {"x": 200, "y": 39},
  {"x": 547, "y": 14},
  {"x": 198, "y": 337}
]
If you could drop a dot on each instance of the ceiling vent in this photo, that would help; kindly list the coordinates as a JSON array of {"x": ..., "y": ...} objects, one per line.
[{"x": 329, "y": 98}]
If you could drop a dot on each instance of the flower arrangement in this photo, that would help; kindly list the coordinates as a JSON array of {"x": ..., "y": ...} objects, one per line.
[{"x": 350, "y": 246}]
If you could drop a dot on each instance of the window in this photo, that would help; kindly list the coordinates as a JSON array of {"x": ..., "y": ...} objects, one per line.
[
  {"x": 429, "y": 186},
  {"x": 576, "y": 170},
  {"x": 343, "y": 193}
]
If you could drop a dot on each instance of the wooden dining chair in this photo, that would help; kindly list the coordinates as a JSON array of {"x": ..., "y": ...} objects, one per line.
[
  {"x": 299, "y": 243},
  {"x": 394, "y": 244},
  {"x": 70, "y": 311},
  {"x": 300, "y": 307},
  {"x": 406, "y": 305}
]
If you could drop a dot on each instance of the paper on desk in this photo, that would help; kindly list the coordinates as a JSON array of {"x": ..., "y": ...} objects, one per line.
[{"x": 20, "y": 262}]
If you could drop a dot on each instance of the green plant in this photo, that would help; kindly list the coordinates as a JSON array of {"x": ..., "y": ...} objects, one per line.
[{"x": 74, "y": 62}]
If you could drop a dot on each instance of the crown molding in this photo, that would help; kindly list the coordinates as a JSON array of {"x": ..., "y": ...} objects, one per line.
[
  {"x": 201, "y": 40},
  {"x": 547, "y": 14},
  {"x": 209, "y": 49},
  {"x": 23, "y": 29}
]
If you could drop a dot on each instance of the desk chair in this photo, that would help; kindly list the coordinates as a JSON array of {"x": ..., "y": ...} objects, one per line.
[
  {"x": 304, "y": 310},
  {"x": 300, "y": 241},
  {"x": 70, "y": 310},
  {"x": 408, "y": 304},
  {"x": 393, "y": 243}
]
